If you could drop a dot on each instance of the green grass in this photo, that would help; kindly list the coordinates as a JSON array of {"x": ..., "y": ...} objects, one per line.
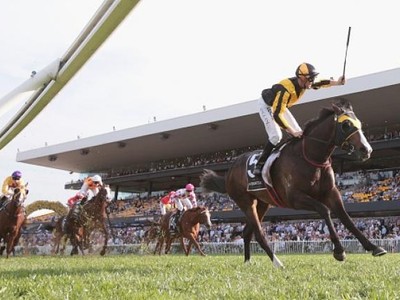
[{"x": 213, "y": 277}]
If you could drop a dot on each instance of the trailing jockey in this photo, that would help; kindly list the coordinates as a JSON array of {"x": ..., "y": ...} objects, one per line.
[
  {"x": 184, "y": 198},
  {"x": 10, "y": 183}
]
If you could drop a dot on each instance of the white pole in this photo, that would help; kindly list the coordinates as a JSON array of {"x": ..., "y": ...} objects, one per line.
[{"x": 36, "y": 81}]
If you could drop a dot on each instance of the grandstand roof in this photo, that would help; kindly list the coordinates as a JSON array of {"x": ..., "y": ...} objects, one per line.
[{"x": 374, "y": 98}]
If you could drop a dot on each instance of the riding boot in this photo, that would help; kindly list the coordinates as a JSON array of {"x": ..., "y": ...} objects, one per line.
[
  {"x": 2, "y": 200},
  {"x": 176, "y": 219},
  {"x": 83, "y": 201},
  {"x": 263, "y": 158}
]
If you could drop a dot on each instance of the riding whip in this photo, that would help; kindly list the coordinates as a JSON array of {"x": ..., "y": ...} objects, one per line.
[{"x": 345, "y": 55}]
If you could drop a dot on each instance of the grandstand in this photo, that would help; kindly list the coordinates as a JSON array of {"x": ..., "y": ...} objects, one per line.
[{"x": 165, "y": 155}]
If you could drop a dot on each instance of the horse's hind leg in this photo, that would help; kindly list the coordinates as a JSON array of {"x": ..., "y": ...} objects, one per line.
[
  {"x": 341, "y": 213},
  {"x": 254, "y": 214}
]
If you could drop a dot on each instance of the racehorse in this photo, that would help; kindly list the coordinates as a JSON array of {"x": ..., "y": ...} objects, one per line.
[
  {"x": 92, "y": 215},
  {"x": 59, "y": 235},
  {"x": 302, "y": 177},
  {"x": 151, "y": 234},
  {"x": 12, "y": 218},
  {"x": 188, "y": 227}
]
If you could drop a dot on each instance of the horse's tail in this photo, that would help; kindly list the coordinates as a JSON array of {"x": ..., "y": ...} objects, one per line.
[{"x": 212, "y": 182}]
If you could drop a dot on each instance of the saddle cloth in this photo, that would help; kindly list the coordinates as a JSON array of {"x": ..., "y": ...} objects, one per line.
[{"x": 257, "y": 182}]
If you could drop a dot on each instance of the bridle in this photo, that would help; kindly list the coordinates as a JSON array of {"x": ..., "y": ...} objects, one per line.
[
  {"x": 17, "y": 203},
  {"x": 346, "y": 125}
]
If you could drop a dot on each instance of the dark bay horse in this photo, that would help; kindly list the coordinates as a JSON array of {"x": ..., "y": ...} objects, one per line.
[
  {"x": 92, "y": 215},
  {"x": 188, "y": 227},
  {"x": 302, "y": 177},
  {"x": 12, "y": 218},
  {"x": 59, "y": 235},
  {"x": 151, "y": 234}
]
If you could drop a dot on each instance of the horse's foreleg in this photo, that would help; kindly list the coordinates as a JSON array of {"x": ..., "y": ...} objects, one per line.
[
  {"x": 193, "y": 241},
  {"x": 56, "y": 243},
  {"x": 159, "y": 246},
  {"x": 343, "y": 216},
  {"x": 308, "y": 203},
  {"x": 105, "y": 231}
]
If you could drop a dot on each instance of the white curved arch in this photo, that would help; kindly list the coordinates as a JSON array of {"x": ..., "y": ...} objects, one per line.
[{"x": 55, "y": 76}]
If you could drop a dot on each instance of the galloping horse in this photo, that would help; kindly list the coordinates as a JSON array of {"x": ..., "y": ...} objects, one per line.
[
  {"x": 12, "y": 218},
  {"x": 151, "y": 234},
  {"x": 79, "y": 224},
  {"x": 188, "y": 228},
  {"x": 302, "y": 177},
  {"x": 59, "y": 235}
]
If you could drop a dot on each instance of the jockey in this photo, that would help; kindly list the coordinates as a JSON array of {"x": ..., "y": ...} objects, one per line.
[
  {"x": 275, "y": 101},
  {"x": 90, "y": 184},
  {"x": 184, "y": 198},
  {"x": 190, "y": 195},
  {"x": 166, "y": 202},
  {"x": 10, "y": 183}
]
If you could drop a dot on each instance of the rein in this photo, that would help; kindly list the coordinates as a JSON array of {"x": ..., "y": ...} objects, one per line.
[
  {"x": 8, "y": 213},
  {"x": 325, "y": 164},
  {"x": 337, "y": 137}
]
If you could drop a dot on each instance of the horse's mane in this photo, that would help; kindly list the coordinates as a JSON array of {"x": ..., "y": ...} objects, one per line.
[{"x": 325, "y": 113}]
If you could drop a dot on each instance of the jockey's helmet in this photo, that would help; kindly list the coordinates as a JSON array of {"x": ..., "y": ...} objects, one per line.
[
  {"x": 97, "y": 179},
  {"x": 16, "y": 175},
  {"x": 307, "y": 70},
  {"x": 189, "y": 187}
]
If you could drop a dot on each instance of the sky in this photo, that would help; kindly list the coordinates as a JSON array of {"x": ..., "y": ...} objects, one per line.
[{"x": 171, "y": 58}]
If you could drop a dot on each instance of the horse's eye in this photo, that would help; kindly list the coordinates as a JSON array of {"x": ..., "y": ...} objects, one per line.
[{"x": 346, "y": 126}]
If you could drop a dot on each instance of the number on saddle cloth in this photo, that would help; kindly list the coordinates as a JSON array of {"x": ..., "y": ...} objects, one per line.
[{"x": 254, "y": 183}]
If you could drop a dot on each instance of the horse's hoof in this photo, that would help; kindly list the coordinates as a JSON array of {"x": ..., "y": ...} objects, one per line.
[
  {"x": 103, "y": 252},
  {"x": 379, "y": 251},
  {"x": 339, "y": 256}
]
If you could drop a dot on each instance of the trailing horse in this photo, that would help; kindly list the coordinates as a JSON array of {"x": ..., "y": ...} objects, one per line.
[
  {"x": 59, "y": 235},
  {"x": 188, "y": 228},
  {"x": 83, "y": 219},
  {"x": 151, "y": 234},
  {"x": 302, "y": 178},
  {"x": 12, "y": 218}
]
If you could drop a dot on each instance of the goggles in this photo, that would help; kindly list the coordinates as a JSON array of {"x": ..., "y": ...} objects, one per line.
[
  {"x": 310, "y": 79},
  {"x": 16, "y": 178}
]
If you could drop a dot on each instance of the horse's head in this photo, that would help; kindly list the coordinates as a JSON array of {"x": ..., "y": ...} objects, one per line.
[
  {"x": 349, "y": 136},
  {"x": 205, "y": 217},
  {"x": 104, "y": 193},
  {"x": 19, "y": 196}
]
